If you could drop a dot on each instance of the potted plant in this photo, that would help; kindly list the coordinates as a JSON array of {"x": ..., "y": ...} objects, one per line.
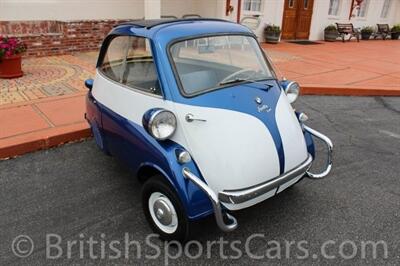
[
  {"x": 330, "y": 33},
  {"x": 10, "y": 57},
  {"x": 272, "y": 33},
  {"x": 395, "y": 32},
  {"x": 366, "y": 32}
]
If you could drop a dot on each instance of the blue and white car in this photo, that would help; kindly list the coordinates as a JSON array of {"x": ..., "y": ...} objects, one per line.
[{"x": 195, "y": 109}]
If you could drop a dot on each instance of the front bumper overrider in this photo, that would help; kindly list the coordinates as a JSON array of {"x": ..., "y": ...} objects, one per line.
[{"x": 244, "y": 195}]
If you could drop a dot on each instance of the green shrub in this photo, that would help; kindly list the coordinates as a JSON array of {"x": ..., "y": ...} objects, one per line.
[
  {"x": 396, "y": 28},
  {"x": 367, "y": 29},
  {"x": 272, "y": 28},
  {"x": 330, "y": 28}
]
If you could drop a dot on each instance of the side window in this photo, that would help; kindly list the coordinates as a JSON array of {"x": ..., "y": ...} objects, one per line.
[
  {"x": 114, "y": 58},
  {"x": 129, "y": 61}
]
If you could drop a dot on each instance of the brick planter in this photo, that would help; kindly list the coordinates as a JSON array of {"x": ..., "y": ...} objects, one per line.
[{"x": 45, "y": 38}]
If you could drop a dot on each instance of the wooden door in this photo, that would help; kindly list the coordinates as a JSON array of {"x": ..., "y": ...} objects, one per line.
[{"x": 297, "y": 16}]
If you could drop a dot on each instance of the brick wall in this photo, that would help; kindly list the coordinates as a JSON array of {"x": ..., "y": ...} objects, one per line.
[{"x": 45, "y": 38}]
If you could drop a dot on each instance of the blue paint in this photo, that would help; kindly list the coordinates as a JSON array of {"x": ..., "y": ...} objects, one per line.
[
  {"x": 89, "y": 83},
  {"x": 133, "y": 145}
]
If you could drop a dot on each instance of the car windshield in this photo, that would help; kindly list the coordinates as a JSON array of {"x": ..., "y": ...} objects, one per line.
[{"x": 209, "y": 63}]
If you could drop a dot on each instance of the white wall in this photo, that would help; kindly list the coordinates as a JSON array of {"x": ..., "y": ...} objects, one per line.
[
  {"x": 177, "y": 7},
  {"x": 209, "y": 8},
  {"x": 204, "y": 8},
  {"x": 271, "y": 13},
  {"x": 321, "y": 19},
  {"x": 70, "y": 9}
]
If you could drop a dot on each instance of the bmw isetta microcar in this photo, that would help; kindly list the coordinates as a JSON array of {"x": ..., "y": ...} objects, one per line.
[{"x": 195, "y": 109}]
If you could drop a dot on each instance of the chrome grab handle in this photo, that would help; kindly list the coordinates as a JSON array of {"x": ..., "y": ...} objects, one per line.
[
  {"x": 190, "y": 118},
  {"x": 329, "y": 146},
  {"x": 214, "y": 200}
]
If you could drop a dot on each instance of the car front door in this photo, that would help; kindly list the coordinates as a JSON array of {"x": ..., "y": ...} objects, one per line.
[{"x": 127, "y": 86}]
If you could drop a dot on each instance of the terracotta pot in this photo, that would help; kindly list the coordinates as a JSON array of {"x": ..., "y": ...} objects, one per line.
[{"x": 10, "y": 67}]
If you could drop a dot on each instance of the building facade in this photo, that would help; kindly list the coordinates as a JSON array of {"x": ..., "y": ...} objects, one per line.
[{"x": 62, "y": 26}]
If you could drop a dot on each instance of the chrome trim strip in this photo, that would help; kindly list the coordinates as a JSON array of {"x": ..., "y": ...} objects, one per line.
[
  {"x": 243, "y": 195},
  {"x": 214, "y": 200},
  {"x": 329, "y": 146}
]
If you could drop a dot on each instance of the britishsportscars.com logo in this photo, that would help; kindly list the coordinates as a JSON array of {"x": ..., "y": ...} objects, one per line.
[{"x": 100, "y": 247}]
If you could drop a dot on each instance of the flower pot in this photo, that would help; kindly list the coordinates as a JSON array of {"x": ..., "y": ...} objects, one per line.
[
  {"x": 10, "y": 67},
  {"x": 365, "y": 35},
  {"x": 395, "y": 35},
  {"x": 330, "y": 36},
  {"x": 272, "y": 36}
]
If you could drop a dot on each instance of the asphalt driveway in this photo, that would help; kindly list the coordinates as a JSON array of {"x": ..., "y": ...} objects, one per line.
[{"x": 63, "y": 199}]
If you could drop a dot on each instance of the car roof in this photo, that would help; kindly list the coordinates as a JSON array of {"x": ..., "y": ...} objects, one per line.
[
  {"x": 168, "y": 29},
  {"x": 150, "y": 23}
]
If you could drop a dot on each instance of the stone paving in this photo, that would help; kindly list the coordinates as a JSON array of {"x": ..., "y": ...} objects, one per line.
[
  {"x": 47, "y": 77},
  {"x": 370, "y": 65}
]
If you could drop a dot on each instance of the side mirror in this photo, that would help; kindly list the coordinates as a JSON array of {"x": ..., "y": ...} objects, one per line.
[
  {"x": 291, "y": 88},
  {"x": 89, "y": 84}
]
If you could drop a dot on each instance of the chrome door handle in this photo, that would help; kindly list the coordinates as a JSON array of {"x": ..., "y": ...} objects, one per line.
[{"x": 190, "y": 118}]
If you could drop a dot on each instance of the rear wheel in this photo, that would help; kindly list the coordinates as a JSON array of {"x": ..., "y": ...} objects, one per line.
[{"x": 164, "y": 210}]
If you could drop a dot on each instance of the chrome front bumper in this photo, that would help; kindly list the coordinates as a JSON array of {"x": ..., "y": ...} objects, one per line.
[{"x": 243, "y": 195}]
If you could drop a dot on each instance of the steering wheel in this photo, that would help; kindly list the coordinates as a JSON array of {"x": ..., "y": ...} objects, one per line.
[{"x": 251, "y": 72}]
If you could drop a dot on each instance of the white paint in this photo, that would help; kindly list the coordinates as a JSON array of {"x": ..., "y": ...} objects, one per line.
[
  {"x": 122, "y": 99},
  {"x": 233, "y": 150},
  {"x": 294, "y": 144}
]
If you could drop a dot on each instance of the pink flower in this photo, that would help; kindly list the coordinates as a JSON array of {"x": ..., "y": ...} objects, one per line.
[{"x": 13, "y": 42}]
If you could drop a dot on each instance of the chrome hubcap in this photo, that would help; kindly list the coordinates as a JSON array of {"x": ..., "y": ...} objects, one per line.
[{"x": 163, "y": 213}]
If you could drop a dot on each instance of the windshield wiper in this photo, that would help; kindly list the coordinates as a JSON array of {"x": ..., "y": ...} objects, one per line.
[{"x": 239, "y": 80}]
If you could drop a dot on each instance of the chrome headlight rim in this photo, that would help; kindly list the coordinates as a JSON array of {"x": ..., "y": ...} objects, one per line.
[
  {"x": 152, "y": 120},
  {"x": 292, "y": 94}
]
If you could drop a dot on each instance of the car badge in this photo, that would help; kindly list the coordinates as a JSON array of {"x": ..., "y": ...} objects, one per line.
[
  {"x": 258, "y": 100},
  {"x": 263, "y": 108}
]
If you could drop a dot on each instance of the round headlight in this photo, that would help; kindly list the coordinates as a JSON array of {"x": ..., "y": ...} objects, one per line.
[
  {"x": 162, "y": 124},
  {"x": 293, "y": 91}
]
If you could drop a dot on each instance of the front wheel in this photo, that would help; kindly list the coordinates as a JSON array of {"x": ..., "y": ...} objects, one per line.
[{"x": 164, "y": 211}]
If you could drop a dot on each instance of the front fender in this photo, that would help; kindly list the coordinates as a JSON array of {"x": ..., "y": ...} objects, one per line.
[
  {"x": 195, "y": 201},
  {"x": 132, "y": 144}
]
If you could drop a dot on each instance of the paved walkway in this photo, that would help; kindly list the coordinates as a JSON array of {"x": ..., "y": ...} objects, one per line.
[
  {"x": 364, "y": 68},
  {"x": 45, "y": 107}
]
